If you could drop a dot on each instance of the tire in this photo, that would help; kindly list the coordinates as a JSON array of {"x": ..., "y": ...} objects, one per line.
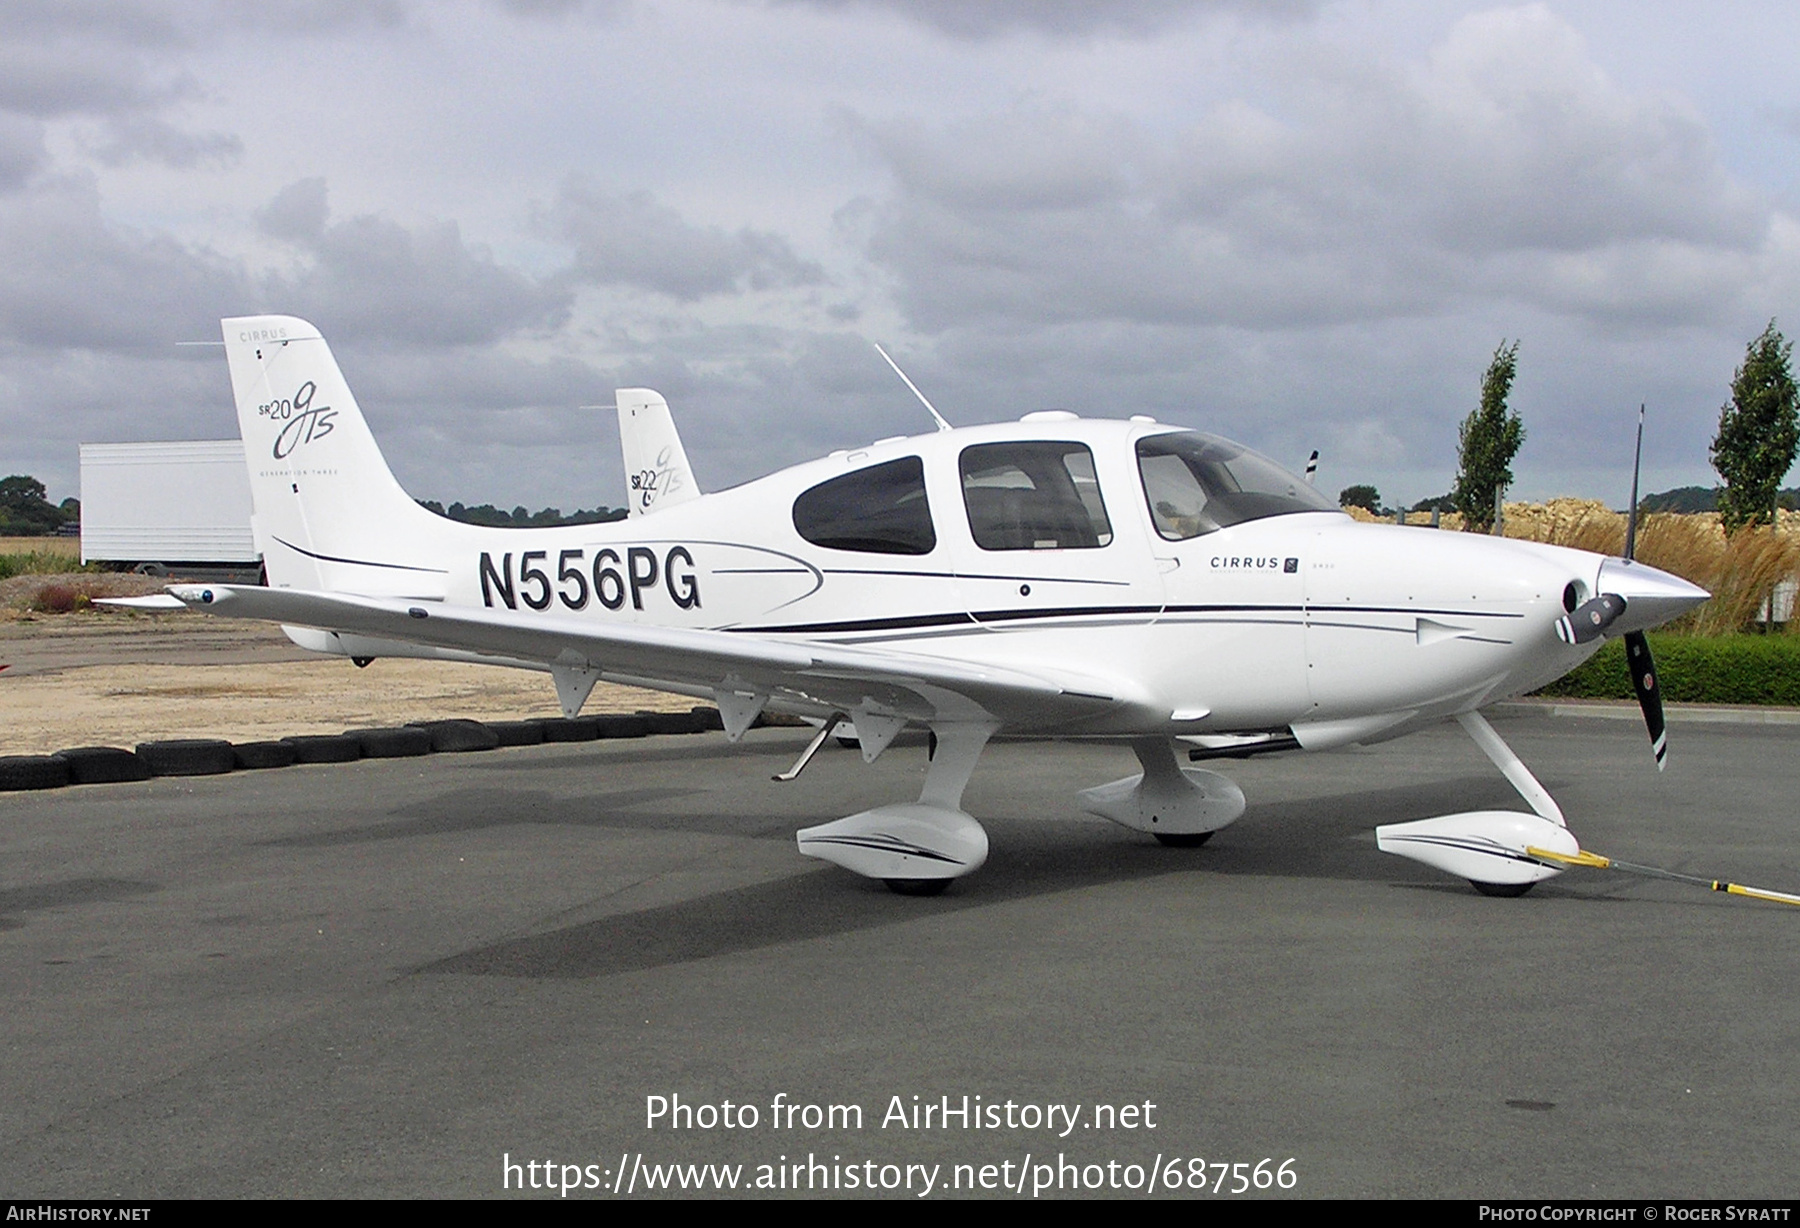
[
  {"x": 399, "y": 742},
  {"x": 1183, "y": 840},
  {"x": 576, "y": 729},
  {"x": 518, "y": 733},
  {"x": 188, "y": 757},
  {"x": 19, "y": 772},
  {"x": 456, "y": 736},
  {"x": 325, "y": 748},
  {"x": 103, "y": 765},
  {"x": 253, "y": 756},
  {"x": 621, "y": 727},
  {"x": 1502, "y": 891},
  {"x": 917, "y": 886},
  {"x": 709, "y": 719},
  {"x": 674, "y": 722}
]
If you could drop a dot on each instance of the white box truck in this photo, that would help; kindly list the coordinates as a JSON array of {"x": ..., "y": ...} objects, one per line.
[{"x": 168, "y": 507}]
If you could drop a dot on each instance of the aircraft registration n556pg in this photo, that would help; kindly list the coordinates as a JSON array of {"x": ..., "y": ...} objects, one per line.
[{"x": 1056, "y": 577}]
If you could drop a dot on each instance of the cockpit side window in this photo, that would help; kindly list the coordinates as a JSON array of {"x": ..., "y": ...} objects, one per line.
[
  {"x": 1033, "y": 495},
  {"x": 1198, "y": 484},
  {"x": 878, "y": 510}
]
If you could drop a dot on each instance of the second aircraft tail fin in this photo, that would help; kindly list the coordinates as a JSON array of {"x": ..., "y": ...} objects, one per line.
[{"x": 657, "y": 474}]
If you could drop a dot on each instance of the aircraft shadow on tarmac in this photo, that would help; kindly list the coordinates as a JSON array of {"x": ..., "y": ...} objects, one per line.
[
  {"x": 1315, "y": 838},
  {"x": 479, "y": 809},
  {"x": 69, "y": 891}
]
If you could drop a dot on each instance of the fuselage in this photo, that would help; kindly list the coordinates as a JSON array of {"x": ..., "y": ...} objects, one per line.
[{"x": 1295, "y": 616}]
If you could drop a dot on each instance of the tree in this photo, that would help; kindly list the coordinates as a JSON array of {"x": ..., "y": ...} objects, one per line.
[
  {"x": 1759, "y": 432},
  {"x": 1489, "y": 440},
  {"x": 24, "y": 512},
  {"x": 1363, "y": 496}
]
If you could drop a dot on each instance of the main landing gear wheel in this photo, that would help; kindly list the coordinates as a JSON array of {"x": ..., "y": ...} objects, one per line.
[
  {"x": 917, "y": 886},
  {"x": 1502, "y": 891},
  {"x": 1183, "y": 840}
]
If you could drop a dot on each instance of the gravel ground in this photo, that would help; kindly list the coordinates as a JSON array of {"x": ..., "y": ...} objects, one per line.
[{"x": 117, "y": 678}]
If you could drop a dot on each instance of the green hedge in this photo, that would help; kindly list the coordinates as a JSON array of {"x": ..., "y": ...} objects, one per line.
[
  {"x": 41, "y": 562},
  {"x": 1727, "y": 669}
]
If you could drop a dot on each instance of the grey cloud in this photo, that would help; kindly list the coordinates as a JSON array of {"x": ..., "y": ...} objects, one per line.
[
  {"x": 984, "y": 19},
  {"x": 22, "y": 151},
  {"x": 69, "y": 279},
  {"x": 297, "y": 213},
  {"x": 635, "y": 240},
  {"x": 150, "y": 139},
  {"x": 138, "y": 22},
  {"x": 311, "y": 16},
  {"x": 61, "y": 79},
  {"x": 602, "y": 9},
  {"x": 1505, "y": 164},
  {"x": 373, "y": 277}
]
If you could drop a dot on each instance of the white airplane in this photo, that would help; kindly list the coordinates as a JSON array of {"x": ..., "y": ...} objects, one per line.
[{"x": 1052, "y": 578}]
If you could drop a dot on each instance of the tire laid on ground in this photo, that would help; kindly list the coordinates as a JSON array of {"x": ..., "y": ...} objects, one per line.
[
  {"x": 32, "y": 772},
  {"x": 709, "y": 718},
  {"x": 256, "y": 755},
  {"x": 397, "y": 742},
  {"x": 670, "y": 722},
  {"x": 102, "y": 765},
  {"x": 518, "y": 733},
  {"x": 622, "y": 726},
  {"x": 187, "y": 757},
  {"x": 456, "y": 735},
  {"x": 325, "y": 748},
  {"x": 578, "y": 729}
]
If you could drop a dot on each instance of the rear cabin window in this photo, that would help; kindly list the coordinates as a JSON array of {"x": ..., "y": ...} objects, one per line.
[
  {"x": 1198, "y": 484},
  {"x": 1033, "y": 496},
  {"x": 878, "y": 510}
]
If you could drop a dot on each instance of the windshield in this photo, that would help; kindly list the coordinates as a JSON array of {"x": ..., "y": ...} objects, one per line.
[{"x": 1198, "y": 483}]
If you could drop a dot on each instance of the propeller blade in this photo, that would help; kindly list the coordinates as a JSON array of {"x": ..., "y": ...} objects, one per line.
[
  {"x": 1649, "y": 697},
  {"x": 1589, "y": 620}
]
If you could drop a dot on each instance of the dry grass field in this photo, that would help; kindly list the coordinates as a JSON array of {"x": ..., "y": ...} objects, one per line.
[{"x": 69, "y": 546}]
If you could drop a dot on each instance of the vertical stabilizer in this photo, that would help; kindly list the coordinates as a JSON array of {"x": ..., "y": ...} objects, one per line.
[
  {"x": 656, "y": 465},
  {"x": 328, "y": 513}
]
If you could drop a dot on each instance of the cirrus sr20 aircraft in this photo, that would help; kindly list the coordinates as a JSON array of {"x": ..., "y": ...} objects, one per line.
[{"x": 1053, "y": 578}]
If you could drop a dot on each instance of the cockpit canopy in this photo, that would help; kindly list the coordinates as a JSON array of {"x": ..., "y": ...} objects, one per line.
[
  {"x": 1033, "y": 494},
  {"x": 1197, "y": 483}
]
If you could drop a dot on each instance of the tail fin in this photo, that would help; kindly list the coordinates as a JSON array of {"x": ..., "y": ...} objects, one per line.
[
  {"x": 656, "y": 465},
  {"x": 328, "y": 513}
]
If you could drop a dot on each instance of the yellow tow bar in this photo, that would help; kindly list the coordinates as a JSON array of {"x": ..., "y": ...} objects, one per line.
[{"x": 1597, "y": 862}]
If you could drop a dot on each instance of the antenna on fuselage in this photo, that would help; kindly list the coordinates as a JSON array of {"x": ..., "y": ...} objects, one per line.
[{"x": 941, "y": 424}]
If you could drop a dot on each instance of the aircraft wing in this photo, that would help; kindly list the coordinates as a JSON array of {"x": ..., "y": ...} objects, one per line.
[{"x": 805, "y": 674}]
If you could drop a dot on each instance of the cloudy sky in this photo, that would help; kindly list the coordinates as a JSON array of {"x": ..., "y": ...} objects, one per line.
[{"x": 1300, "y": 223}]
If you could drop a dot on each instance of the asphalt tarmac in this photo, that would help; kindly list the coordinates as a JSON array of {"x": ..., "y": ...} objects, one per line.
[{"x": 401, "y": 977}]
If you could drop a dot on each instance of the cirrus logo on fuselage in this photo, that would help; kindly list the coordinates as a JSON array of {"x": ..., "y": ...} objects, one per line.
[
  {"x": 1232, "y": 562},
  {"x": 609, "y": 580},
  {"x": 301, "y": 423}
]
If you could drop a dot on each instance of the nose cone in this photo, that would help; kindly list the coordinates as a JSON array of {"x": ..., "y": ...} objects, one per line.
[{"x": 1652, "y": 597}]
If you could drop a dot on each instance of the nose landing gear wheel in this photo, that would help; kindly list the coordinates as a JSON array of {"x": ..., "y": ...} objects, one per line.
[
  {"x": 917, "y": 886},
  {"x": 1503, "y": 891}
]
